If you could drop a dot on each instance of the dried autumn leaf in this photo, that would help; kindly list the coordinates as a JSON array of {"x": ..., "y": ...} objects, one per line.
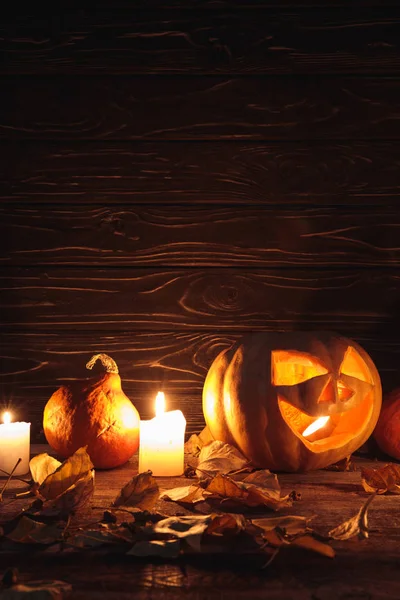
[
  {"x": 291, "y": 524},
  {"x": 267, "y": 481},
  {"x": 28, "y": 531},
  {"x": 67, "y": 474},
  {"x": 219, "y": 457},
  {"x": 77, "y": 495},
  {"x": 274, "y": 538},
  {"x": 42, "y": 466},
  {"x": 225, "y": 487},
  {"x": 227, "y": 523},
  {"x": 292, "y": 531},
  {"x": 247, "y": 494},
  {"x": 188, "y": 494},
  {"x": 342, "y": 465},
  {"x": 190, "y": 528},
  {"x": 382, "y": 480},
  {"x": 356, "y": 526},
  {"x": 37, "y": 590},
  {"x": 196, "y": 441},
  {"x": 184, "y": 526},
  {"x": 161, "y": 548},
  {"x": 140, "y": 492},
  {"x": 258, "y": 496}
]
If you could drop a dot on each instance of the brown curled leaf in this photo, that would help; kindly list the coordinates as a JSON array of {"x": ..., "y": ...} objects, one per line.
[{"x": 140, "y": 492}]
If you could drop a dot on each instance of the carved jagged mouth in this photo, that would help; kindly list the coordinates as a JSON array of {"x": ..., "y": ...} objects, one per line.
[{"x": 337, "y": 430}]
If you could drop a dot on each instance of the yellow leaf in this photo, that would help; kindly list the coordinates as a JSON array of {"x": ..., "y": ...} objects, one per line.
[
  {"x": 66, "y": 475},
  {"x": 42, "y": 466},
  {"x": 77, "y": 495},
  {"x": 188, "y": 494},
  {"x": 140, "y": 492}
]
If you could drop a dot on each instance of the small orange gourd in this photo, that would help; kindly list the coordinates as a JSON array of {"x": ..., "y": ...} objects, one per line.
[{"x": 95, "y": 413}]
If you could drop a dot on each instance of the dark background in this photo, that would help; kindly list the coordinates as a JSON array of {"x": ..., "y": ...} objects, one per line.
[{"x": 177, "y": 174}]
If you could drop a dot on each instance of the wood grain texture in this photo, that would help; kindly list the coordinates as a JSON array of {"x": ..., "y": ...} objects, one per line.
[
  {"x": 34, "y": 365},
  {"x": 190, "y": 173},
  {"x": 361, "y": 570},
  {"x": 41, "y": 299},
  {"x": 201, "y": 108},
  {"x": 202, "y": 236},
  {"x": 222, "y": 40}
]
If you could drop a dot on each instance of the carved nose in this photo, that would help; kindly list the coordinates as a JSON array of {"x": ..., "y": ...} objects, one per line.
[
  {"x": 344, "y": 391},
  {"x": 335, "y": 391}
]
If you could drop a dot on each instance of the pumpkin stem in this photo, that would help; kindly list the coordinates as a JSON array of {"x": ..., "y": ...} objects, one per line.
[{"x": 106, "y": 361}]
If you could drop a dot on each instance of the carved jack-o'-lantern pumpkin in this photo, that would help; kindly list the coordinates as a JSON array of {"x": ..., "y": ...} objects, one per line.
[{"x": 293, "y": 401}]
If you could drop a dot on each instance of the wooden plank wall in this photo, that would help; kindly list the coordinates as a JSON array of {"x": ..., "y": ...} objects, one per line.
[{"x": 176, "y": 174}]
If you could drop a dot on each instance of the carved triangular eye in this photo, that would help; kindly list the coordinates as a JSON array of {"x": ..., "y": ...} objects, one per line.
[
  {"x": 290, "y": 367},
  {"x": 354, "y": 366}
]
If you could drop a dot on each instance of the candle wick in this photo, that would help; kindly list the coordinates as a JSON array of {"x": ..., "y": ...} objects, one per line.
[{"x": 9, "y": 479}]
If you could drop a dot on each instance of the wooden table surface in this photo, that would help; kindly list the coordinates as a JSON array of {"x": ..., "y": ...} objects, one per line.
[{"x": 361, "y": 570}]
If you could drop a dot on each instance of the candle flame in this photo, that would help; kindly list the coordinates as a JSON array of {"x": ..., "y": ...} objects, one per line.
[
  {"x": 160, "y": 404},
  {"x": 7, "y": 417},
  {"x": 315, "y": 426}
]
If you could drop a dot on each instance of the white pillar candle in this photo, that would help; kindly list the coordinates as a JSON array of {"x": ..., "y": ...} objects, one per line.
[
  {"x": 162, "y": 441},
  {"x": 14, "y": 444}
]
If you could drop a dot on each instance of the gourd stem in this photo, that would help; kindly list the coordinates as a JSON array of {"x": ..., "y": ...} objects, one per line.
[{"x": 106, "y": 361}]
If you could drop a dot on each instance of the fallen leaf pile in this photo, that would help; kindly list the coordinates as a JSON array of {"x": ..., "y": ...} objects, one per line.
[
  {"x": 223, "y": 476},
  {"x": 130, "y": 525}
]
